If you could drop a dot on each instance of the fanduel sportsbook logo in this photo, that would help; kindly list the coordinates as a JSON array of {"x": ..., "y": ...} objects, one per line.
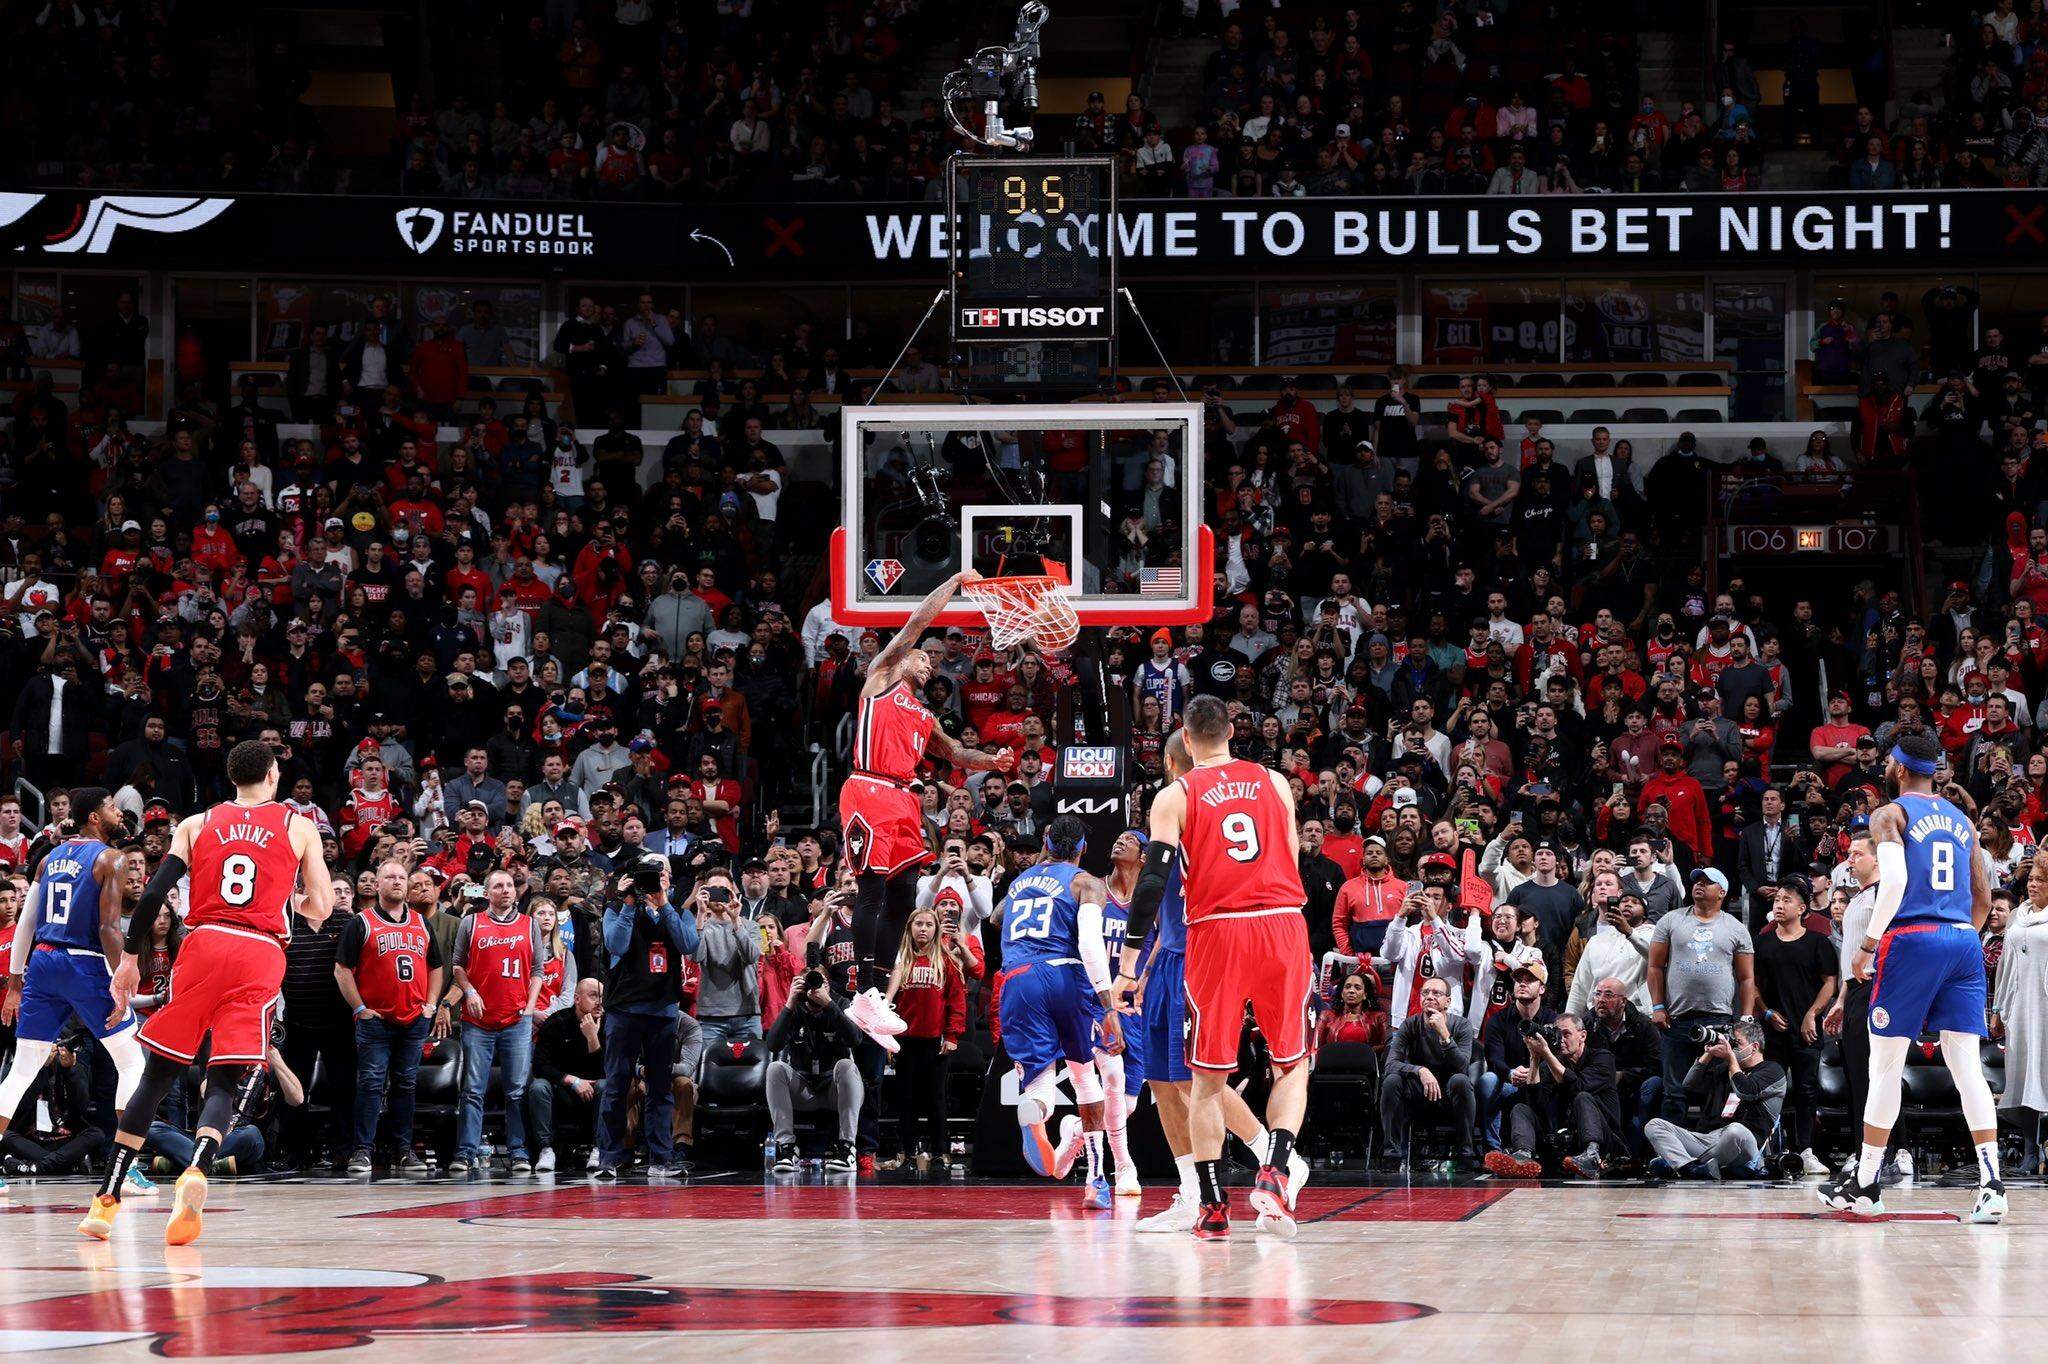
[
  {"x": 1032, "y": 317},
  {"x": 420, "y": 228},
  {"x": 471, "y": 233}
]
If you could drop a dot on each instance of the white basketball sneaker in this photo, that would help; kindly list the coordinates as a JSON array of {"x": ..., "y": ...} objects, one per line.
[
  {"x": 1990, "y": 1206},
  {"x": 1178, "y": 1215},
  {"x": 874, "y": 1015},
  {"x": 1072, "y": 1140}
]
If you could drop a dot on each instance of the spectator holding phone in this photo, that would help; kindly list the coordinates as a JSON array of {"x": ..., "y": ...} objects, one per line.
[{"x": 729, "y": 954}]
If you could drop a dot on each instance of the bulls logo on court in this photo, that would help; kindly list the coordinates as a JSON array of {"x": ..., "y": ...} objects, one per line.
[{"x": 233, "y": 1311}]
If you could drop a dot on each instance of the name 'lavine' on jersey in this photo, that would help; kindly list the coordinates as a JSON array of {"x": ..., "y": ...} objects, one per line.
[
  {"x": 1941, "y": 844},
  {"x": 71, "y": 897},
  {"x": 1234, "y": 842},
  {"x": 1041, "y": 919},
  {"x": 890, "y": 734},
  {"x": 243, "y": 869}
]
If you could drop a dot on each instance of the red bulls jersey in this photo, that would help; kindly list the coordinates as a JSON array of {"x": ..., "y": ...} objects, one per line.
[
  {"x": 1234, "y": 847},
  {"x": 500, "y": 965},
  {"x": 243, "y": 869},
  {"x": 890, "y": 734},
  {"x": 392, "y": 974}
]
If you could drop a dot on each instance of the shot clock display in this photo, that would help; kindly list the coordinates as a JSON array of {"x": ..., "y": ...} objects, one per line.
[{"x": 1032, "y": 258}]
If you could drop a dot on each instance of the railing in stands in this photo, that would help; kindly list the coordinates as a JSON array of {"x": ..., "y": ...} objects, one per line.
[{"x": 27, "y": 791}]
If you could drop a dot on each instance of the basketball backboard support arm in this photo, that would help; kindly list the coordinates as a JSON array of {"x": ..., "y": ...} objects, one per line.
[{"x": 923, "y": 485}]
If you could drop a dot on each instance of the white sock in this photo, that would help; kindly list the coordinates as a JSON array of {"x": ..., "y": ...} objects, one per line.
[
  {"x": 1093, "y": 1141},
  {"x": 1261, "y": 1145},
  {"x": 1119, "y": 1140},
  {"x": 1190, "y": 1192},
  {"x": 1987, "y": 1162},
  {"x": 1869, "y": 1163}
]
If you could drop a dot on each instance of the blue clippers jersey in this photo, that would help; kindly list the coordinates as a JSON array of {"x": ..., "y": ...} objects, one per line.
[
  {"x": 1940, "y": 844},
  {"x": 1041, "y": 916},
  {"x": 1171, "y": 928},
  {"x": 70, "y": 915}
]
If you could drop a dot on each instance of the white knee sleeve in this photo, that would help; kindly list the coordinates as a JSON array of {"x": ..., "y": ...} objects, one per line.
[
  {"x": 1966, "y": 1068},
  {"x": 29, "y": 1060},
  {"x": 1087, "y": 1084},
  {"x": 1038, "y": 1099},
  {"x": 1111, "y": 1070},
  {"x": 128, "y": 1064},
  {"x": 1887, "y": 1071}
]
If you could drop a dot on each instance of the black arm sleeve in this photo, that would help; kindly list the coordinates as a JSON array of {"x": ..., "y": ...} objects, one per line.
[
  {"x": 1159, "y": 858},
  {"x": 160, "y": 886}
]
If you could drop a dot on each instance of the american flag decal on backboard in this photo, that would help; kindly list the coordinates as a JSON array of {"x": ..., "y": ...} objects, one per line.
[{"x": 1159, "y": 582}]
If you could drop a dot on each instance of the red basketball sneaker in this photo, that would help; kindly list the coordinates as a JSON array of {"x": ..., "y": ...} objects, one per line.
[
  {"x": 1270, "y": 1201},
  {"x": 1212, "y": 1223}
]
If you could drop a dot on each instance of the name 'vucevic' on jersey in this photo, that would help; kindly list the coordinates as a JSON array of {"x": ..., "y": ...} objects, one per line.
[
  {"x": 70, "y": 914},
  {"x": 1940, "y": 845},
  {"x": 1041, "y": 916}
]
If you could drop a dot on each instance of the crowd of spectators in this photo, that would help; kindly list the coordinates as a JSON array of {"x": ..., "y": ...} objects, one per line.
[
  {"x": 652, "y": 99},
  {"x": 1532, "y": 753}
]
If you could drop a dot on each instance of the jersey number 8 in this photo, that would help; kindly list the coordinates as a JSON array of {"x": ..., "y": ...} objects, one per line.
[
  {"x": 238, "y": 879},
  {"x": 1242, "y": 833},
  {"x": 1941, "y": 866}
]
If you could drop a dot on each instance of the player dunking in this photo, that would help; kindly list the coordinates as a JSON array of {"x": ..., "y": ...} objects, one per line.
[
  {"x": 1055, "y": 1002},
  {"x": 1232, "y": 825},
  {"x": 69, "y": 937},
  {"x": 1925, "y": 965},
  {"x": 879, "y": 813},
  {"x": 243, "y": 857},
  {"x": 1155, "y": 1045}
]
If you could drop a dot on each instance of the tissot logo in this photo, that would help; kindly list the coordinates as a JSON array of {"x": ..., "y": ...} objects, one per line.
[
  {"x": 496, "y": 233},
  {"x": 1032, "y": 317},
  {"x": 420, "y": 228}
]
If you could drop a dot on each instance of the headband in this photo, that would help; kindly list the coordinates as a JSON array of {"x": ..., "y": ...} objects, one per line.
[{"x": 1919, "y": 766}]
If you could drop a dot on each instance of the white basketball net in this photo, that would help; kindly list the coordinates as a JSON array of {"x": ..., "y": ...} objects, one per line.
[{"x": 1033, "y": 608}]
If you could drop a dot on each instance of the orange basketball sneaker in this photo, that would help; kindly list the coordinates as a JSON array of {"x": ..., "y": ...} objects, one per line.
[
  {"x": 186, "y": 1204},
  {"x": 99, "y": 1218}
]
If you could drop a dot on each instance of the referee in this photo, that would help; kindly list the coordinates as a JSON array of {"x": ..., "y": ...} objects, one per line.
[{"x": 1850, "y": 1016}]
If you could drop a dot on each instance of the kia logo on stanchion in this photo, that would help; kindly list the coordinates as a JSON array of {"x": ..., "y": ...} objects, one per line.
[{"x": 420, "y": 228}]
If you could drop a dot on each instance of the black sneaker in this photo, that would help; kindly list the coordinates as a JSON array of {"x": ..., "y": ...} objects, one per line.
[
  {"x": 841, "y": 1160},
  {"x": 605, "y": 1172},
  {"x": 787, "y": 1157},
  {"x": 1844, "y": 1194}
]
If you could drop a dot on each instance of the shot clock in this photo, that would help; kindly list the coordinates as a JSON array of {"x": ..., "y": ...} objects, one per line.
[{"x": 1033, "y": 265}]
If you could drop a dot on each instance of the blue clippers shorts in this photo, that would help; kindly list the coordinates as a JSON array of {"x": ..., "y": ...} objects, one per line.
[
  {"x": 1049, "y": 1016},
  {"x": 1929, "y": 978},
  {"x": 61, "y": 982},
  {"x": 1164, "y": 1022}
]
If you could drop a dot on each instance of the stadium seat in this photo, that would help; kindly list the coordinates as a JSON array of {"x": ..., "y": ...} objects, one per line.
[
  {"x": 1644, "y": 379},
  {"x": 732, "y": 1092},
  {"x": 1551, "y": 415},
  {"x": 1592, "y": 416},
  {"x": 1589, "y": 381},
  {"x": 1343, "y": 1100},
  {"x": 1437, "y": 383},
  {"x": 1645, "y": 415},
  {"x": 1688, "y": 415}
]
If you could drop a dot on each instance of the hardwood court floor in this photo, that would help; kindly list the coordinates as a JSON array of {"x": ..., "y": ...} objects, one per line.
[{"x": 728, "y": 1268}]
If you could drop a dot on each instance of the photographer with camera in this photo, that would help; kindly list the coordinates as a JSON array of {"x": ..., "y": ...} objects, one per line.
[
  {"x": 1702, "y": 973},
  {"x": 813, "y": 1044},
  {"x": 646, "y": 940},
  {"x": 1741, "y": 1094},
  {"x": 1509, "y": 1064},
  {"x": 1569, "y": 1087},
  {"x": 729, "y": 954}
]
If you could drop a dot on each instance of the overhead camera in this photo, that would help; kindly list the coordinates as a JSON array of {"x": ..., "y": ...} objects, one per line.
[{"x": 994, "y": 75}]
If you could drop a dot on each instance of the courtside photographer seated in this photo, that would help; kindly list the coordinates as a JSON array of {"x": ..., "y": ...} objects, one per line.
[{"x": 1740, "y": 1096}]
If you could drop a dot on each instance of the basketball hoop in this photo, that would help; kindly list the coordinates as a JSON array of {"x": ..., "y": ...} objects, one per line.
[{"x": 1035, "y": 608}]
